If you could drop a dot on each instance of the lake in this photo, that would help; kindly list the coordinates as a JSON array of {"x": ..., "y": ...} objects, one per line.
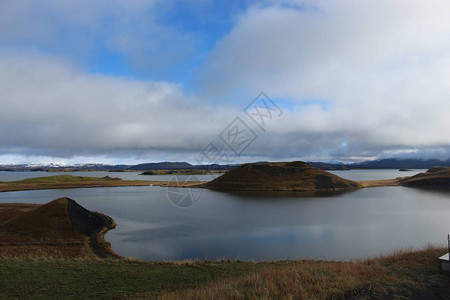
[
  {"x": 266, "y": 226},
  {"x": 13, "y": 176}
]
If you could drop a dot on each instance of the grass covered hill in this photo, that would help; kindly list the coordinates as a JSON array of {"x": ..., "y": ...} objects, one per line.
[
  {"x": 434, "y": 177},
  {"x": 60, "y": 228},
  {"x": 280, "y": 176}
]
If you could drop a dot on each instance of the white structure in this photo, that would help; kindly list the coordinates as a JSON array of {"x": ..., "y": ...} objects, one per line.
[
  {"x": 444, "y": 264},
  {"x": 444, "y": 261}
]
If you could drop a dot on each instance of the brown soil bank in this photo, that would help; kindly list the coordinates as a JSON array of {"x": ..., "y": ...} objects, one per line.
[
  {"x": 280, "y": 176},
  {"x": 61, "y": 228},
  {"x": 435, "y": 177}
]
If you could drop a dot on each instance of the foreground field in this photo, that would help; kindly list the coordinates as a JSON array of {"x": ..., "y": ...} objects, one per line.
[{"x": 408, "y": 275}]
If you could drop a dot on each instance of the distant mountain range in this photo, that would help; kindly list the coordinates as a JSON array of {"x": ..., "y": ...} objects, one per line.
[{"x": 390, "y": 163}]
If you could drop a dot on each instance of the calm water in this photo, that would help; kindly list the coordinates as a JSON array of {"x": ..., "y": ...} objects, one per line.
[
  {"x": 12, "y": 176},
  {"x": 375, "y": 174},
  {"x": 265, "y": 226}
]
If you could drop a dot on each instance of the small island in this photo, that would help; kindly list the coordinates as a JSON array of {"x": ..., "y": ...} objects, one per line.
[
  {"x": 70, "y": 182},
  {"x": 280, "y": 176},
  {"x": 183, "y": 172}
]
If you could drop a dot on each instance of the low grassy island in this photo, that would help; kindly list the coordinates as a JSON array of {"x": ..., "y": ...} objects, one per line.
[
  {"x": 182, "y": 172},
  {"x": 69, "y": 181},
  {"x": 280, "y": 176}
]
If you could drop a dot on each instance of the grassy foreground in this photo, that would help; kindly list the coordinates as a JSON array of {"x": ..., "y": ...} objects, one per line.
[{"x": 406, "y": 275}]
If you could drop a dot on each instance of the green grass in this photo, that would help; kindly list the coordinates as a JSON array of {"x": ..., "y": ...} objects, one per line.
[
  {"x": 405, "y": 275},
  {"x": 67, "y": 181},
  {"x": 280, "y": 176},
  {"x": 106, "y": 279},
  {"x": 62, "y": 179},
  {"x": 401, "y": 276}
]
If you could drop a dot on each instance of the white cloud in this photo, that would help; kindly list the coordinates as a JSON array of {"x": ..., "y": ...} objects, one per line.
[
  {"x": 52, "y": 107},
  {"x": 383, "y": 66},
  {"x": 77, "y": 29}
]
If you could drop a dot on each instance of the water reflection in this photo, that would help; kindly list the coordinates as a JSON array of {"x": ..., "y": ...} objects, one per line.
[
  {"x": 259, "y": 195},
  {"x": 263, "y": 226}
]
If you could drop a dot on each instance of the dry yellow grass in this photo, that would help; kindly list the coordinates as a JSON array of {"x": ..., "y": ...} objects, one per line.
[
  {"x": 9, "y": 211},
  {"x": 378, "y": 183},
  {"x": 399, "y": 276}
]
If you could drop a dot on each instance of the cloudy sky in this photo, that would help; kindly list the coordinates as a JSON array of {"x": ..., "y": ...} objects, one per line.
[{"x": 151, "y": 80}]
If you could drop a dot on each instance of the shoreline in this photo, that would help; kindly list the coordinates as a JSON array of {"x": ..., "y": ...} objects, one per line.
[
  {"x": 97, "y": 242},
  {"x": 13, "y": 187},
  {"x": 74, "y": 182},
  {"x": 322, "y": 182},
  {"x": 194, "y": 184}
]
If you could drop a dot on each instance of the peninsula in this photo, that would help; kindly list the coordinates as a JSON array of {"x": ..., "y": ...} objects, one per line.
[{"x": 61, "y": 229}]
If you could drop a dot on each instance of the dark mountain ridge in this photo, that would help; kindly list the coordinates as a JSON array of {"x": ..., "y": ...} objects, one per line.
[{"x": 388, "y": 163}]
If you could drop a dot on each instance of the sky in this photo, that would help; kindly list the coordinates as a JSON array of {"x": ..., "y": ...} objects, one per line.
[{"x": 172, "y": 80}]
